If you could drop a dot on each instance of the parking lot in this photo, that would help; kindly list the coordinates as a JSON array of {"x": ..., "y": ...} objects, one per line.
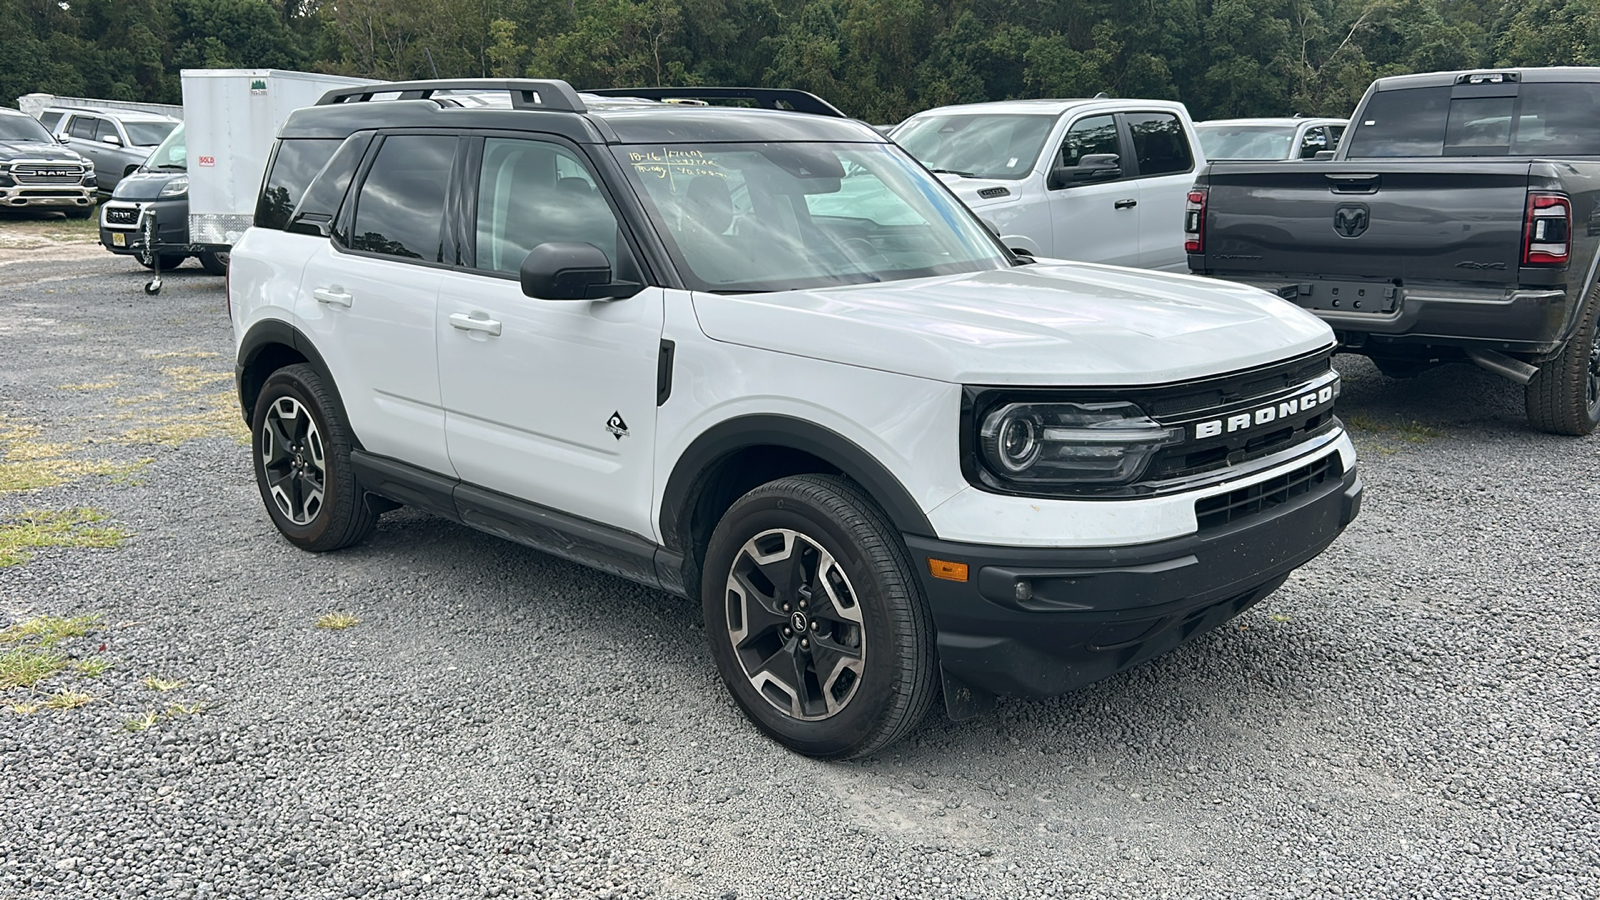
[{"x": 1414, "y": 714}]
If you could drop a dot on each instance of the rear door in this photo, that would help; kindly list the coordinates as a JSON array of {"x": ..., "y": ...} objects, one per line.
[
  {"x": 1096, "y": 222},
  {"x": 1165, "y": 170}
]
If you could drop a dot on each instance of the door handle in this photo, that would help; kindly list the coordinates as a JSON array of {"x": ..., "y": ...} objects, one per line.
[
  {"x": 332, "y": 296},
  {"x": 465, "y": 322},
  {"x": 1125, "y": 204}
]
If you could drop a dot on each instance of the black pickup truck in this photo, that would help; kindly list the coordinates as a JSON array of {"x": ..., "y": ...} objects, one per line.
[{"x": 1442, "y": 229}]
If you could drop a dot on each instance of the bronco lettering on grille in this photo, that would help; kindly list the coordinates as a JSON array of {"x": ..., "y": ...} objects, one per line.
[{"x": 1264, "y": 415}]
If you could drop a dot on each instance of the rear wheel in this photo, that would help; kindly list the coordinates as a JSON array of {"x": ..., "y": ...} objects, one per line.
[
  {"x": 815, "y": 618},
  {"x": 301, "y": 448},
  {"x": 1564, "y": 396}
]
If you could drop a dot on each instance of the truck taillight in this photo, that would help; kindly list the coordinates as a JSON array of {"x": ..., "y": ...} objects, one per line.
[
  {"x": 1547, "y": 239},
  {"x": 1194, "y": 222}
]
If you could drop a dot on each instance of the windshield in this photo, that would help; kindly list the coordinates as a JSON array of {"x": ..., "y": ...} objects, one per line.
[
  {"x": 988, "y": 146},
  {"x": 172, "y": 154},
  {"x": 1245, "y": 141},
  {"x": 148, "y": 134},
  {"x": 1540, "y": 119},
  {"x": 23, "y": 128},
  {"x": 773, "y": 217}
]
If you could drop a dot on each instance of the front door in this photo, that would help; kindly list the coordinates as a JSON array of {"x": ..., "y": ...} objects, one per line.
[
  {"x": 549, "y": 401},
  {"x": 1097, "y": 221}
]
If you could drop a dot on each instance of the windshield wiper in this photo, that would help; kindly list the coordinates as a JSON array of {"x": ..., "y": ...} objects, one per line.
[{"x": 952, "y": 172}]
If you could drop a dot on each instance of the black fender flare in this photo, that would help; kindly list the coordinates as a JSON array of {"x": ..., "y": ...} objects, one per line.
[
  {"x": 275, "y": 332},
  {"x": 732, "y": 435}
]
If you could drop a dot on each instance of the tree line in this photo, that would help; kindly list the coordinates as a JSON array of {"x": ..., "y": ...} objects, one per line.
[{"x": 879, "y": 60}]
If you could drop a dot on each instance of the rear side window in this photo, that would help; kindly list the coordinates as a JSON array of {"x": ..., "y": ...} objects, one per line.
[
  {"x": 323, "y": 198},
  {"x": 1159, "y": 144},
  {"x": 293, "y": 167},
  {"x": 82, "y": 127},
  {"x": 400, "y": 205}
]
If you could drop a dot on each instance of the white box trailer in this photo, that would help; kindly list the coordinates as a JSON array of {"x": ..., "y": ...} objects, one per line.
[{"x": 232, "y": 116}]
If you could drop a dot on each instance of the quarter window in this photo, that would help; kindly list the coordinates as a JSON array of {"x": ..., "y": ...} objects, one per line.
[
  {"x": 1096, "y": 134},
  {"x": 296, "y": 163},
  {"x": 532, "y": 193},
  {"x": 1159, "y": 144},
  {"x": 400, "y": 209}
]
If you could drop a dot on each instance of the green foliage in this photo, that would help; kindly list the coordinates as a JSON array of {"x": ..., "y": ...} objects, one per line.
[{"x": 880, "y": 60}]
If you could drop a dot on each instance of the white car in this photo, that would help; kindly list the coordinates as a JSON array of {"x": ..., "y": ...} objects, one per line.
[
  {"x": 1100, "y": 180},
  {"x": 1280, "y": 138},
  {"x": 884, "y": 454}
]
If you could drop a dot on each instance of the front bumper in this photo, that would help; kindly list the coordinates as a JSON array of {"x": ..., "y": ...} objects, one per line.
[
  {"x": 34, "y": 196},
  {"x": 1088, "y": 613},
  {"x": 119, "y": 223}
]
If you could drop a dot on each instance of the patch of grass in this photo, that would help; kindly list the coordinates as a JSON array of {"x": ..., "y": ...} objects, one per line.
[
  {"x": 157, "y": 683},
  {"x": 27, "y": 463},
  {"x": 27, "y": 666},
  {"x": 193, "y": 378},
  {"x": 47, "y": 631},
  {"x": 69, "y": 699},
  {"x": 1384, "y": 433},
  {"x": 39, "y": 529},
  {"x": 125, "y": 474},
  {"x": 212, "y": 415},
  {"x": 27, "y": 708},
  {"x": 185, "y": 354},
  {"x": 337, "y": 621},
  {"x": 35, "y": 232},
  {"x": 91, "y": 668},
  {"x": 142, "y": 721}
]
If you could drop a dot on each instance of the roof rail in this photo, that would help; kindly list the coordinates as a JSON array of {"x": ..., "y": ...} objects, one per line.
[
  {"x": 526, "y": 93},
  {"x": 767, "y": 98}
]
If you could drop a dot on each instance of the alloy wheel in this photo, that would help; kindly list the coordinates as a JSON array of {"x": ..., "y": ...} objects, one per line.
[
  {"x": 294, "y": 460},
  {"x": 794, "y": 620}
]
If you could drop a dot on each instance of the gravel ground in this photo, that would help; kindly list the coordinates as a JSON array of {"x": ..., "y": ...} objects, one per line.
[{"x": 1412, "y": 715}]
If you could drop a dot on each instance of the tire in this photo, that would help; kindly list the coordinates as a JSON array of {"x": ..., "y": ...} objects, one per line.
[
  {"x": 868, "y": 619},
  {"x": 1564, "y": 395},
  {"x": 83, "y": 213},
  {"x": 169, "y": 261},
  {"x": 214, "y": 262},
  {"x": 301, "y": 449}
]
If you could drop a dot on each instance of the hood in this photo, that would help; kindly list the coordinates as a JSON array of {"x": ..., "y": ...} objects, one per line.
[
  {"x": 1053, "y": 323},
  {"x": 970, "y": 189},
  {"x": 145, "y": 184},
  {"x": 10, "y": 150}
]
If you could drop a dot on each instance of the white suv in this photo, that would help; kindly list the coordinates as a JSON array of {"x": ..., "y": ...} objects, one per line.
[{"x": 760, "y": 358}]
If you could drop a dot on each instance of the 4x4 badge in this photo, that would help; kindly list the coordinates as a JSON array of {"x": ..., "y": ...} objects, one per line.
[{"x": 617, "y": 427}]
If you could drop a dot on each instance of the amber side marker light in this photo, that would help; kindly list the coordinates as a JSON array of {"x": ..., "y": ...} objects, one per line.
[{"x": 949, "y": 571}]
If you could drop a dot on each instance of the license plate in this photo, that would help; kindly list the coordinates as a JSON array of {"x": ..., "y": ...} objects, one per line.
[{"x": 119, "y": 240}]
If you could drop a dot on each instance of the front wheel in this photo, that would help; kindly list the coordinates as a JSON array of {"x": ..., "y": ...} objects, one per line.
[
  {"x": 301, "y": 447},
  {"x": 1564, "y": 395},
  {"x": 816, "y": 620}
]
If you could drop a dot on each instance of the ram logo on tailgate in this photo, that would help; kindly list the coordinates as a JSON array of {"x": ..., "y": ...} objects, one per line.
[{"x": 1351, "y": 220}]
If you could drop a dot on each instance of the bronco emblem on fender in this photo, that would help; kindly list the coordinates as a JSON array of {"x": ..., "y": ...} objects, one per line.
[{"x": 1351, "y": 220}]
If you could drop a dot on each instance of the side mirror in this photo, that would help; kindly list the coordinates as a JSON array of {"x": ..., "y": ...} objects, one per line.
[
  {"x": 1091, "y": 168},
  {"x": 112, "y": 139},
  {"x": 59, "y": 138},
  {"x": 571, "y": 271}
]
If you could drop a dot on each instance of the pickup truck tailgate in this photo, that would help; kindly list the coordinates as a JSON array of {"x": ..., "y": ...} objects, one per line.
[{"x": 1461, "y": 222}]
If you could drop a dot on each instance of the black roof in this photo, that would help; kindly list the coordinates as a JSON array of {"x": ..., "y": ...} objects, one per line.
[
  {"x": 615, "y": 116},
  {"x": 1534, "y": 75}
]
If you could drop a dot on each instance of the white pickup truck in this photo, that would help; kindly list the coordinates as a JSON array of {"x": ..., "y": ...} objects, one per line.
[{"x": 1098, "y": 180}]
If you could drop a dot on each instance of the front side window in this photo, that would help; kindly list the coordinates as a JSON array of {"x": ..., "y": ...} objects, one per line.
[
  {"x": 1096, "y": 134},
  {"x": 535, "y": 192},
  {"x": 296, "y": 163},
  {"x": 984, "y": 146},
  {"x": 1159, "y": 143},
  {"x": 106, "y": 128},
  {"x": 400, "y": 206},
  {"x": 1314, "y": 141},
  {"x": 775, "y": 217}
]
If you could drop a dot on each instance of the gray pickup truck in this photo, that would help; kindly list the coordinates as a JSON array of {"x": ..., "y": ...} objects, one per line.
[{"x": 1443, "y": 229}]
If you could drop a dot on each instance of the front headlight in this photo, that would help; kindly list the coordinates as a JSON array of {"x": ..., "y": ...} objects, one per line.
[
  {"x": 177, "y": 187},
  {"x": 1081, "y": 443}
]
